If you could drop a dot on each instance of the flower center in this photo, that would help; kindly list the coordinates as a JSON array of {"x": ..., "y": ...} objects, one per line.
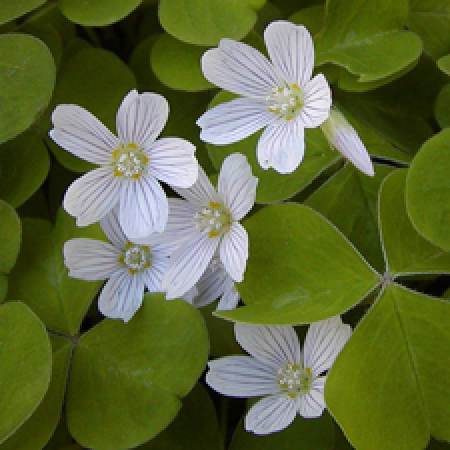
[
  {"x": 136, "y": 257},
  {"x": 287, "y": 101},
  {"x": 295, "y": 380},
  {"x": 129, "y": 161},
  {"x": 214, "y": 220}
]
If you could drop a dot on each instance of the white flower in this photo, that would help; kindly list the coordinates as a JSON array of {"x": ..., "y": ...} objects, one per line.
[
  {"x": 215, "y": 283},
  {"x": 280, "y": 95},
  {"x": 343, "y": 137},
  {"x": 277, "y": 368},
  {"x": 130, "y": 164},
  {"x": 127, "y": 266},
  {"x": 208, "y": 221}
]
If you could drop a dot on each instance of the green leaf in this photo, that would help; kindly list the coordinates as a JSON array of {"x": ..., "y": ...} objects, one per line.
[
  {"x": 444, "y": 64},
  {"x": 10, "y": 231},
  {"x": 430, "y": 19},
  {"x": 312, "y": 18},
  {"x": 28, "y": 73},
  {"x": 97, "y": 13},
  {"x": 205, "y": 22},
  {"x": 38, "y": 429},
  {"x": 442, "y": 107},
  {"x": 406, "y": 251},
  {"x": 273, "y": 187},
  {"x": 402, "y": 128},
  {"x": 349, "y": 201},
  {"x": 186, "y": 74},
  {"x": 128, "y": 378},
  {"x": 395, "y": 366},
  {"x": 195, "y": 427},
  {"x": 40, "y": 278},
  {"x": 26, "y": 365},
  {"x": 12, "y": 10},
  {"x": 97, "y": 80},
  {"x": 367, "y": 38},
  {"x": 428, "y": 190},
  {"x": 302, "y": 434},
  {"x": 300, "y": 270},
  {"x": 24, "y": 165}
]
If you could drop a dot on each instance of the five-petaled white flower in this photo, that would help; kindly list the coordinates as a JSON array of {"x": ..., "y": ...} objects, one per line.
[
  {"x": 280, "y": 95},
  {"x": 207, "y": 221},
  {"x": 277, "y": 368},
  {"x": 344, "y": 138},
  {"x": 131, "y": 163},
  {"x": 129, "y": 267},
  {"x": 215, "y": 283}
]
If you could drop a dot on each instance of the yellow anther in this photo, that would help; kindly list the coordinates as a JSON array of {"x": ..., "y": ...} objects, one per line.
[
  {"x": 115, "y": 153},
  {"x": 132, "y": 145},
  {"x": 121, "y": 261},
  {"x": 144, "y": 159},
  {"x": 280, "y": 89},
  {"x": 129, "y": 244},
  {"x": 289, "y": 117},
  {"x": 133, "y": 271},
  {"x": 213, "y": 234},
  {"x": 136, "y": 175},
  {"x": 117, "y": 173},
  {"x": 214, "y": 204},
  {"x": 295, "y": 86},
  {"x": 308, "y": 371}
]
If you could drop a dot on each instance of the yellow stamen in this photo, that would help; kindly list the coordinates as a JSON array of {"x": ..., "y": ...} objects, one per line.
[
  {"x": 280, "y": 89},
  {"x": 136, "y": 175},
  {"x": 133, "y": 271},
  {"x": 115, "y": 153},
  {"x": 132, "y": 145},
  {"x": 308, "y": 371},
  {"x": 295, "y": 86},
  {"x": 213, "y": 234},
  {"x": 117, "y": 173},
  {"x": 214, "y": 204},
  {"x": 144, "y": 159},
  {"x": 289, "y": 117},
  {"x": 121, "y": 261}
]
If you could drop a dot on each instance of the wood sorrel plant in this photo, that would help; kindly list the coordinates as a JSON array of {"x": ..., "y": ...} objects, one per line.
[{"x": 262, "y": 187}]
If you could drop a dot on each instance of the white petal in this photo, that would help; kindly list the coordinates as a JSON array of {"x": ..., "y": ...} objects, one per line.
[
  {"x": 141, "y": 118},
  {"x": 187, "y": 265},
  {"x": 143, "y": 207},
  {"x": 190, "y": 295},
  {"x": 201, "y": 192},
  {"x": 271, "y": 414},
  {"x": 230, "y": 297},
  {"x": 172, "y": 160},
  {"x": 276, "y": 346},
  {"x": 317, "y": 102},
  {"x": 241, "y": 376},
  {"x": 111, "y": 227},
  {"x": 323, "y": 342},
  {"x": 237, "y": 185},
  {"x": 211, "y": 284},
  {"x": 281, "y": 146},
  {"x": 343, "y": 137},
  {"x": 312, "y": 404},
  {"x": 234, "y": 251},
  {"x": 239, "y": 68},
  {"x": 233, "y": 121},
  {"x": 82, "y": 134},
  {"x": 153, "y": 276},
  {"x": 291, "y": 50},
  {"x": 89, "y": 259},
  {"x": 122, "y": 295},
  {"x": 92, "y": 196}
]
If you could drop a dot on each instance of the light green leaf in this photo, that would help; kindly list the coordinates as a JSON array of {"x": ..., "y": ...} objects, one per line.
[
  {"x": 186, "y": 74},
  {"x": 195, "y": 427},
  {"x": 273, "y": 187},
  {"x": 406, "y": 251},
  {"x": 311, "y": 17},
  {"x": 10, "y": 231},
  {"x": 97, "y": 13},
  {"x": 24, "y": 165},
  {"x": 27, "y": 71},
  {"x": 12, "y": 10},
  {"x": 302, "y": 434},
  {"x": 430, "y": 19},
  {"x": 38, "y": 429},
  {"x": 97, "y": 80},
  {"x": 395, "y": 366},
  {"x": 300, "y": 270},
  {"x": 444, "y": 64},
  {"x": 428, "y": 190},
  {"x": 26, "y": 365},
  {"x": 129, "y": 378},
  {"x": 367, "y": 38},
  {"x": 205, "y": 22},
  {"x": 40, "y": 278},
  {"x": 349, "y": 201},
  {"x": 442, "y": 107}
]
